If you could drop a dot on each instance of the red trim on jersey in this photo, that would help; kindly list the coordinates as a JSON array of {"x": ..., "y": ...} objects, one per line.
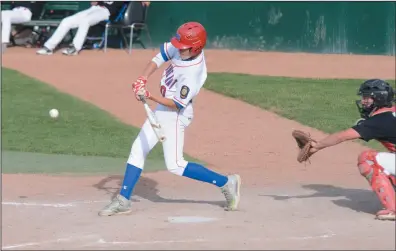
[
  {"x": 183, "y": 66},
  {"x": 178, "y": 101},
  {"x": 177, "y": 125},
  {"x": 384, "y": 109},
  {"x": 391, "y": 147}
]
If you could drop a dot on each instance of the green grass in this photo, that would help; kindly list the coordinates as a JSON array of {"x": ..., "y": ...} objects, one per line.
[
  {"x": 328, "y": 105},
  {"x": 82, "y": 129},
  {"x": 21, "y": 162}
]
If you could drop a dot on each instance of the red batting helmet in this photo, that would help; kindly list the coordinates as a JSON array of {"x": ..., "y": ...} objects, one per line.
[{"x": 190, "y": 35}]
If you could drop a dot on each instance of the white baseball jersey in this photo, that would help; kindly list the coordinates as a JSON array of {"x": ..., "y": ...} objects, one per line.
[{"x": 182, "y": 79}]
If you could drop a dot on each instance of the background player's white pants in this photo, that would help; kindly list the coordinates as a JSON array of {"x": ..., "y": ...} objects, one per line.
[
  {"x": 81, "y": 20},
  {"x": 15, "y": 16},
  {"x": 174, "y": 125},
  {"x": 387, "y": 161}
]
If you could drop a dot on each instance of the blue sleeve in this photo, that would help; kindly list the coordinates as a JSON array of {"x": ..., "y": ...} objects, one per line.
[{"x": 163, "y": 53}]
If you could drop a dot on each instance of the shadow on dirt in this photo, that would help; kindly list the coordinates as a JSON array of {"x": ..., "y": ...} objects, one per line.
[
  {"x": 145, "y": 188},
  {"x": 356, "y": 199}
]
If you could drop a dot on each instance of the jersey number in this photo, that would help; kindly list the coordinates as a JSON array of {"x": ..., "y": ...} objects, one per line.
[{"x": 163, "y": 90}]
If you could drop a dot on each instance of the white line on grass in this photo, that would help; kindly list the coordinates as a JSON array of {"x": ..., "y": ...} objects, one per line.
[
  {"x": 56, "y": 205},
  {"x": 59, "y": 240}
]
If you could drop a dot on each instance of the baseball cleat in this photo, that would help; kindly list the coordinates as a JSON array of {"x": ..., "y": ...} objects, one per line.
[
  {"x": 232, "y": 192},
  {"x": 385, "y": 214},
  {"x": 119, "y": 205},
  {"x": 44, "y": 51},
  {"x": 71, "y": 51}
]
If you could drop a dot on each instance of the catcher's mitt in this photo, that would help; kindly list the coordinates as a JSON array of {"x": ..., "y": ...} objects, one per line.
[{"x": 304, "y": 143}]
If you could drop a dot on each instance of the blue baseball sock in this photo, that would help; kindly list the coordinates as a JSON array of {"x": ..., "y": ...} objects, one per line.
[
  {"x": 132, "y": 174},
  {"x": 198, "y": 172}
]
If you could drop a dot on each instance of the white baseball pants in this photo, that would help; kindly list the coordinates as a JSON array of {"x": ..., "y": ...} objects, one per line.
[
  {"x": 174, "y": 124},
  {"x": 387, "y": 161},
  {"x": 15, "y": 16},
  {"x": 81, "y": 20}
]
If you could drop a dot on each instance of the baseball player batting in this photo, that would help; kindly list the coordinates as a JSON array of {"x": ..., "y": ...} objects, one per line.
[
  {"x": 180, "y": 84},
  {"x": 378, "y": 122}
]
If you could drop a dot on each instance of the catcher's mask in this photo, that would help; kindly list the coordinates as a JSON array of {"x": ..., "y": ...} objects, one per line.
[{"x": 379, "y": 91}]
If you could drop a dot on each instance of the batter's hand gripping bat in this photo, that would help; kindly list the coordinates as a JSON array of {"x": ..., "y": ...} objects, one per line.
[{"x": 153, "y": 120}]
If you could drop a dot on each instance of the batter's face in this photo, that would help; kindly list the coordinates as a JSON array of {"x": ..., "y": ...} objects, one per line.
[
  {"x": 367, "y": 101},
  {"x": 185, "y": 54}
]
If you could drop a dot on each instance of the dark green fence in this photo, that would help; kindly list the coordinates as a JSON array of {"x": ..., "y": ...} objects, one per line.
[{"x": 321, "y": 27}]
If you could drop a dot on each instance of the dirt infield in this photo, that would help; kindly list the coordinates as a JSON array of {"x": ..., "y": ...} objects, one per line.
[{"x": 326, "y": 204}]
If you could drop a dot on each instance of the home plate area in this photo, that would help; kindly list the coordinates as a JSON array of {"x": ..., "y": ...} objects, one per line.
[{"x": 269, "y": 218}]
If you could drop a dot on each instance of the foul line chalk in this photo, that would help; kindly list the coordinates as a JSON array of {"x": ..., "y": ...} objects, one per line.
[
  {"x": 56, "y": 205},
  {"x": 302, "y": 238},
  {"x": 295, "y": 238},
  {"x": 102, "y": 241},
  {"x": 69, "y": 239},
  {"x": 323, "y": 236}
]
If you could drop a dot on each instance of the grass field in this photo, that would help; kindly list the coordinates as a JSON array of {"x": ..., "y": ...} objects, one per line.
[
  {"x": 87, "y": 139},
  {"x": 82, "y": 129},
  {"x": 328, "y": 105}
]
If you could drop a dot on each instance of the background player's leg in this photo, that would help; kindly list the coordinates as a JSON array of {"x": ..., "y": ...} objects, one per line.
[
  {"x": 6, "y": 25},
  {"x": 97, "y": 15},
  {"x": 174, "y": 126},
  {"x": 142, "y": 145},
  {"x": 66, "y": 24},
  {"x": 15, "y": 16}
]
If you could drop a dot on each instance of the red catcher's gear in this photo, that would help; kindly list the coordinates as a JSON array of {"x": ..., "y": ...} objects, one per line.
[{"x": 190, "y": 35}]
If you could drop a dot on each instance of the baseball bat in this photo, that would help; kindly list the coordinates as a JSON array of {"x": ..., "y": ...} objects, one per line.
[{"x": 153, "y": 120}]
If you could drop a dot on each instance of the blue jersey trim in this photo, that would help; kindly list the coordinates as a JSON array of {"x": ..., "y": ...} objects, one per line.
[{"x": 163, "y": 53}]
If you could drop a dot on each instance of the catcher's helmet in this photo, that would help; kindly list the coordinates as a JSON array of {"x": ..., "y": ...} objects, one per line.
[
  {"x": 380, "y": 91},
  {"x": 191, "y": 35}
]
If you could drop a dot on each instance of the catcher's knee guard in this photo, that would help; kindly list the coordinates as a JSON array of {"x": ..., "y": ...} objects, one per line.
[
  {"x": 380, "y": 182},
  {"x": 367, "y": 163}
]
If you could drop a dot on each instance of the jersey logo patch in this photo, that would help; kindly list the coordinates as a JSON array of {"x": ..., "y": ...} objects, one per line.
[{"x": 184, "y": 91}]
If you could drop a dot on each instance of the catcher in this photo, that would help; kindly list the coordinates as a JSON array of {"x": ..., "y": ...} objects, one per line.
[{"x": 378, "y": 122}]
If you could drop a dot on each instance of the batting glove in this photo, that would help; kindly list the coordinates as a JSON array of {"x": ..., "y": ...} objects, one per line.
[
  {"x": 139, "y": 83},
  {"x": 142, "y": 92}
]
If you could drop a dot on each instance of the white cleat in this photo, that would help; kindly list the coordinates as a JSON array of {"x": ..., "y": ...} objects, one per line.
[
  {"x": 71, "y": 51},
  {"x": 44, "y": 51},
  {"x": 120, "y": 205},
  {"x": 232, "y": 192}
]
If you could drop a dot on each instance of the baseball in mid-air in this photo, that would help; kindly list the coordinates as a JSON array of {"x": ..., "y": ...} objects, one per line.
[{"x": 54, "y": 113}]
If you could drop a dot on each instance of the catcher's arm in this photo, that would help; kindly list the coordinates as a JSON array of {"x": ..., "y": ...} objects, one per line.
[
  {"x": 309, "y": 146},
  {"x": 336, "y": 138}
]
